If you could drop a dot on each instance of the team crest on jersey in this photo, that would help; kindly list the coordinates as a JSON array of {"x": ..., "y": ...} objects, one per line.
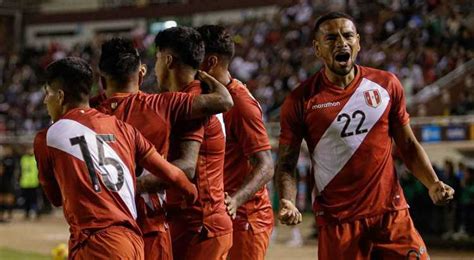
[{"x": 372, "y": 98}]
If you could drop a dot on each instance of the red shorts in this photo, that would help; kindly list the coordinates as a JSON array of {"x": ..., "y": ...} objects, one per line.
[
  {"x": 191, "y": 246},
  {"x": 391, "y": 235},
  {"x": 115, "y": 242},
  {"x": 158, "y": 246},
  {"x": 250, "y": 245}
]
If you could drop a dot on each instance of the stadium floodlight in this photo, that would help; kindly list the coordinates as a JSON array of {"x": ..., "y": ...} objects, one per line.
[{"x": 169, "y": 24}]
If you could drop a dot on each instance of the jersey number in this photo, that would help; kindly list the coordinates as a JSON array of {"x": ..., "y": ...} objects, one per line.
[
  {"x": 81, "y": 141},
  {"x": 356, "y": 115}
]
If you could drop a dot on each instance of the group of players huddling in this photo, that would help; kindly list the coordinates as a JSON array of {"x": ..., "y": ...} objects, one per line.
[{"x": 181, "y": 174}]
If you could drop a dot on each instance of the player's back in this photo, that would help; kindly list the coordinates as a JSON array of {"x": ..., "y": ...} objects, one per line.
[
  {"x": 152, "y": 115},
  {"x": 93, "y": 157},
  {"x": 137, "y": 110}
]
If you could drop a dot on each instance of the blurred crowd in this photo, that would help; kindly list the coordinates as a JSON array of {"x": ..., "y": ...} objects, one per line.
[
  {"x": 19, "y": 184},
  {"x": 419, "y": 41},
  {"x": 457, "y": 216}
]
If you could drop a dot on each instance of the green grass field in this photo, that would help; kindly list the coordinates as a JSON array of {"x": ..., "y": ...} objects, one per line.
[{"x": 6, "y": 253}]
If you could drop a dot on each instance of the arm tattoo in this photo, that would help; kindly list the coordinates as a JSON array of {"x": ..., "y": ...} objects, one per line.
[
  {"x": 187, "y": 158},
  {"x": 285, "y": 176},
  {"x": 262, "y": 173},
  {"x": 149, "y": 183}
]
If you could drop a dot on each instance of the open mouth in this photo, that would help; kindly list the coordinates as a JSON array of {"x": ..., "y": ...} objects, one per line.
[{"x": 342, "y": 57}]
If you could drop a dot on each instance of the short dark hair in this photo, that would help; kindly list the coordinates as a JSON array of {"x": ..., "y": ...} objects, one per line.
[
  {"x": 330, "y": 16},
  {"x": 75, "y": 76},
  {"x": 119, "y": 59},
  {"x": 185, "y": 42},
  {"x": 217, "y": 40}
]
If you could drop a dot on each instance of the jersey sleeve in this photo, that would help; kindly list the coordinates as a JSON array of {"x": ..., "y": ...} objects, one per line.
[
  {"x": 398, "y": 111},
  {"x": 46, "y": 169},
  {"x": 175, "y": 106},
  {"x": 248, "y": 125},
  {"x": 291, "y": 120}
]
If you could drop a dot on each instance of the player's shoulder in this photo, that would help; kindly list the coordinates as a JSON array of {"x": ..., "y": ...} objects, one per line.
[
  {"x": 40, "y": 137},
  {"x": 241, "y": 95},
  {"x": 384, "y": 78}
]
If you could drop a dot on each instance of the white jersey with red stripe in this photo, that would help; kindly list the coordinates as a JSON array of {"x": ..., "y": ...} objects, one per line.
[{"x": 347, "y": 131}]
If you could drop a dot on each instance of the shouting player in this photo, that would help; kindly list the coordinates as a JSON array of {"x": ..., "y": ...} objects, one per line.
[
  {"x": 155, "y": 116},
  {"x": 86, "y": 163},
  {"x": 348, "y": 115},
  {"x": 248, "y": 160}
]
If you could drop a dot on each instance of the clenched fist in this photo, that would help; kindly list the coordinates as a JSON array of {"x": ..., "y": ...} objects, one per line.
[
  {"x": 289, "y": 214},
  {"x": 441, "y": 193}
]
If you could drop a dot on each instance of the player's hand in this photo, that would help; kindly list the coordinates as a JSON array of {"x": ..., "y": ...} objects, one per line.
[
  {"x": 149, "y": 183},
  {"x": 441, "y": 193},
  {"x": 193, "y": 195},
  {"x": 231, "y": 205},
  {"x": 289, "y": 214},
  {"x": 210, "y": 81}
]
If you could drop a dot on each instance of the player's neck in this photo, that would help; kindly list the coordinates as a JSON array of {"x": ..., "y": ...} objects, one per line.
[
  {"x": 222, "y": 75},
  {"x": 71, "y": 106},
  {"x": 181, "y": 80},
  {"x": 338, "y": 80},
  {"x": 115, "y": 87}
]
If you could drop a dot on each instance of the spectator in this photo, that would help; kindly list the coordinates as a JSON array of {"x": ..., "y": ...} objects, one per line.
[
  {"x": 29, "y": 183},
  {"x": 467, "y": 201},
  {"x": 7, "y": 186}
]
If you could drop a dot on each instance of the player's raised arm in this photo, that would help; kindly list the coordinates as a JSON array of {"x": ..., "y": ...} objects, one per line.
[
  {"x": 285, "y": 179},
  {"x": 170, "y": 174},
  {"x": 217, "y": 101},
  {"x": 418, "y": 163}
]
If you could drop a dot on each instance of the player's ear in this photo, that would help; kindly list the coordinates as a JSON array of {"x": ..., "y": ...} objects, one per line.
[
  {"x": 358, "y": 42},
  {"x": 170, "y": 61},
  {"x": 141, "y": 73},
  {"x": 317, "y": 50},
  {"x": 61, "y": 97},
  {"x": 212, "y": 62}
]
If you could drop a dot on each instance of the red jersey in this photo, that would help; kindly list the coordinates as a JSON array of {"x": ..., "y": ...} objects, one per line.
[
  {"x": 153, "y": 115},
  {"x": 86, "y": 163},
  {"x": 349, "y": 140},
  {"x": 209, "y": 211},
  {"x": 245, "y": 135}
]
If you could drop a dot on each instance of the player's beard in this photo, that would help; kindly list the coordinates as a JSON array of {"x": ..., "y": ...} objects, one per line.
[{"x": 342, "y": 71}]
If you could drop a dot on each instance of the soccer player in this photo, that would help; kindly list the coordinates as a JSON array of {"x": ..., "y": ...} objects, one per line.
[
  {"x": 202, "y": 230},
  {"x": 86, "y": 163},
  {"x": 248, "y": 161},
  {"x": 155, "y": 116},
  {"x": 348, "y": 115}
]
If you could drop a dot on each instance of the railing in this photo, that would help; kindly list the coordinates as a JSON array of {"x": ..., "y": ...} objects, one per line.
[
  {"x": 273, "y": 128},
  {"x": 433, "y": 90},
  {"x": 442, "y": 120}
]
